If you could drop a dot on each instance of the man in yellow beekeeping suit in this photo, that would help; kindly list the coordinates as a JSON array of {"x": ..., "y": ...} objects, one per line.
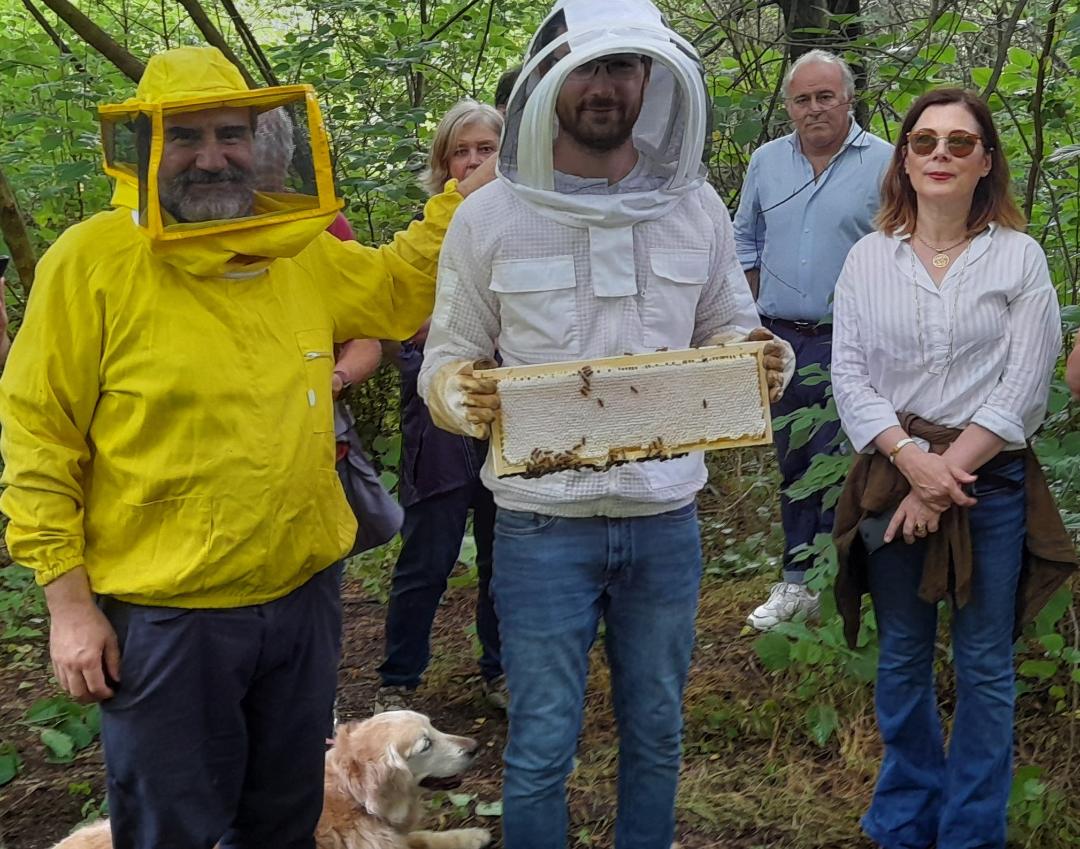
[{"x": 169, "y": 448}]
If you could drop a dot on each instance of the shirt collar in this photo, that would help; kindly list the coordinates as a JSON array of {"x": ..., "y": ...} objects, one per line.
[{"x": 979, "y": 245}]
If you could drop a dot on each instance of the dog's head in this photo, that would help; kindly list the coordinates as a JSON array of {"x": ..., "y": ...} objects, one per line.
[{"x": 382, "y": 761}]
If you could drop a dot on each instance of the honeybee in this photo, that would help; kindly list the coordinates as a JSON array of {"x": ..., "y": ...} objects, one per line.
[{"x": 585, "y": 373}]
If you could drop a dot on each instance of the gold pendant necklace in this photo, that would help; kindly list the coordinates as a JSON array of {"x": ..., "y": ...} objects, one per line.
[{"x": 940, "y": 258}]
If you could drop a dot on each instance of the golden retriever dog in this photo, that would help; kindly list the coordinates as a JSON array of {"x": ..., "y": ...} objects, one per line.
[{"x": 374, "y": 775}]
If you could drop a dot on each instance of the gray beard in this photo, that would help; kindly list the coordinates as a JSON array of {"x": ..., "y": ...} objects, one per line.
[{"x": 233, "y": 197}]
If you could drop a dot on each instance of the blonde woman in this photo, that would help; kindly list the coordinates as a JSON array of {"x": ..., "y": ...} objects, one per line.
[
  {"x": 440, "y": 472},
  {"x": 466, "y": 136}
]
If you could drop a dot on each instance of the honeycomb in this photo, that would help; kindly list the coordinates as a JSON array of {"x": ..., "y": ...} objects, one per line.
[{"x": 628, "y": 408}]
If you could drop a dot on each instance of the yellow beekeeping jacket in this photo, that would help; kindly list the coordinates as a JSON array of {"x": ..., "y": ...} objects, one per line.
[{"x": 166, "y": 413}]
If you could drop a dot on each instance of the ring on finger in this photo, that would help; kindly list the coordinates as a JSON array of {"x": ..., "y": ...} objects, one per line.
[{"x": 920, "y": 529}]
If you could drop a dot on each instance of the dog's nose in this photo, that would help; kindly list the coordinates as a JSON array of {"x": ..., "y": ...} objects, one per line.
[{"x": 467, "y": 744}]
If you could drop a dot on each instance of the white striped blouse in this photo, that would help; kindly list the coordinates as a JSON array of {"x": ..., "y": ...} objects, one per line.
[{"x": 980, "y": 349}]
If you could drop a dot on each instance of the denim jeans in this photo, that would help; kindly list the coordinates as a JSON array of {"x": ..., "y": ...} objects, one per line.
[
  {"x": 430, "y": 544},
  {"x": 554, "y": 580},
  {"x": 925, "y": 796}
]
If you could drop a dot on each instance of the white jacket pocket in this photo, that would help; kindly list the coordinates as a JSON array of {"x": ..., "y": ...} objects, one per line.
[
  {"x": 538, "y": 307},
  {"x": 672, "y": 291}
]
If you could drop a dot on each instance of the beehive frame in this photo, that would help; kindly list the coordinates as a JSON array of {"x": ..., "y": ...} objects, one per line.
[{"x": 611, "y": 387}]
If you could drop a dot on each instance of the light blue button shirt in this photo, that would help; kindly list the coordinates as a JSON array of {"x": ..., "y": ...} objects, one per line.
[{"x": 798, "y": 231}]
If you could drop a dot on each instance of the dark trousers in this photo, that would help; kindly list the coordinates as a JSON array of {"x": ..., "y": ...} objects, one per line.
[
  {"x": 217, "y": 731},
  {"x": 431, "y": 542},
  {"x": 805, "y": 518}
]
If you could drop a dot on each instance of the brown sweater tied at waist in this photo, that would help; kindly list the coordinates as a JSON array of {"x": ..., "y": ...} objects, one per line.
[{"x": 875, "y": 486}]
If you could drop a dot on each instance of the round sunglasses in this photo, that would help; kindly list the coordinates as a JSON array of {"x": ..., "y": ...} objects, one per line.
[{"x": 959, "y": 142}]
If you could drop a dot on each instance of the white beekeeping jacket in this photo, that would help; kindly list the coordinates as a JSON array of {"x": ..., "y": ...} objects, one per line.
[
  {"x": 670, "y": 132},
  {"x": 544, "y": 266}
]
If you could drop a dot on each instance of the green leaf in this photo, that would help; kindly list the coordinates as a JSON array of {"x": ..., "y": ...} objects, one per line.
[
  {"x": 10, "y": 763},
  {"x": 822, "y": 721},
  {"x": 388, "y": 480},
  {"x": 80, "y": 735},
  {"x": 746, "y": 131},
  {"x": 1021, "y": 57},
  {"x": 1053, "y": 643},
  {"x": 49, "y": 711},
  {"x": 460, "y": 800},
  {"x": 773, "y": 650},
  {"x": 59, "y": 743},
  {"x": 488, "y": 809},
  {"x": 1049, "y": 616},
  {"x": 1041, "y": 669}
]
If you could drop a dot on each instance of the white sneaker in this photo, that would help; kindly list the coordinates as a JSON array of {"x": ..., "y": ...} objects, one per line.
[{"x": 786, "y": 600}]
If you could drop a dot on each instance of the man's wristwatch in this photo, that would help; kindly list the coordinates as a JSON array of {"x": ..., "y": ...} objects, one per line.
[{"x": 896, "y": 449}]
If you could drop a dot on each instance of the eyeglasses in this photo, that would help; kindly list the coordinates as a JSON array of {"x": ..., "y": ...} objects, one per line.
[
  {"x": 623, "y": 66},
  {"x": 958, "y": 142}
]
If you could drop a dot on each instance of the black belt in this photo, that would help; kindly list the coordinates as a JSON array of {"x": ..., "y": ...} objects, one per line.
[{"x": 803, "y": 328}]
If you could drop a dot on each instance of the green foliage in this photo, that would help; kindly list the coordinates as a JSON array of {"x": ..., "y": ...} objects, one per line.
[
  {"x": 22, "y": 616},
  {"x": 10, "y": 763},
  {"x": 385, "y": 71},
  {"x": 65, "y": 727}
]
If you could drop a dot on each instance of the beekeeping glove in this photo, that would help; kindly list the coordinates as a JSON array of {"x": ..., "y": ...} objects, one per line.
[
  {"x": 779, "y": 357},
  {"x": 461, "y": 403}
]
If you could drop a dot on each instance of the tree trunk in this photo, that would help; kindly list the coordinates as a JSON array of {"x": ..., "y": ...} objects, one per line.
[
  {"x": 15, "y": 235},
  {"x": 800, "y": 15},
  {"x": 97, "y": 38},
  {"x": 214, "y": 37}
]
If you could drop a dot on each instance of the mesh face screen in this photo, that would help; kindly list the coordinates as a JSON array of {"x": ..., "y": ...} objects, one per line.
[{"x": 628, "y": 408}]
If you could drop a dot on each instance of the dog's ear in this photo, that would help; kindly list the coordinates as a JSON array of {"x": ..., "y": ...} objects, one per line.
[{"x": 384, "y": 786}]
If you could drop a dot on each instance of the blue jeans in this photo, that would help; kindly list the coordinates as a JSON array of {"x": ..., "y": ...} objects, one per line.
[
  {"x": 554, "y": 580},
  {"x": 430, "y": 544},
  {"x": 925, "y": 796}
]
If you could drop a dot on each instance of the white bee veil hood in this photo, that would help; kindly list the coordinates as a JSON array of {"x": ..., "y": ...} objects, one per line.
[{"x": 669, "y": 135}]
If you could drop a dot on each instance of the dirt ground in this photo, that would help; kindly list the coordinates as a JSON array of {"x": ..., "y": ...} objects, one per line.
[{"x": 43, "y": 804}]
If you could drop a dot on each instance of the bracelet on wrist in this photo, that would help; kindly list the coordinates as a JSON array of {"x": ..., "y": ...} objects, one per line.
[{"x": 896, "y": 449}]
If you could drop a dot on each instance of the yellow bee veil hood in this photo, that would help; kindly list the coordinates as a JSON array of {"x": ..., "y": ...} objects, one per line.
[{"x": 280, "y": 222}]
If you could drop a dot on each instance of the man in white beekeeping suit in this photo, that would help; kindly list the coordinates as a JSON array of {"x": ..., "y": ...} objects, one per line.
[{"x": 601, "y": 237}]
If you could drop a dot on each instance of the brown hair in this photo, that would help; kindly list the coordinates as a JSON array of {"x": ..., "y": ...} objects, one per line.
[{"x": 992, "y": 201}]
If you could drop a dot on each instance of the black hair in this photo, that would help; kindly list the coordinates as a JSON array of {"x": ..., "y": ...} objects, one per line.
[{"x": 505, "y": 87}]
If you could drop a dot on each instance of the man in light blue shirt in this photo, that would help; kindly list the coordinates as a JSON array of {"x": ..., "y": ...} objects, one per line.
[{"x": 807, "y": 198}]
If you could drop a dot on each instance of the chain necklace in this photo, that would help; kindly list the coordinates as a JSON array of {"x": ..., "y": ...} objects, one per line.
[
  {"x": 941, "y": 258},
  {"x": 952, "y": 319}
]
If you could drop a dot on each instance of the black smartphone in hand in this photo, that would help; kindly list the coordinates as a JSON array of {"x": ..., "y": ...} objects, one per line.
[{"x": 4, "y": 260}]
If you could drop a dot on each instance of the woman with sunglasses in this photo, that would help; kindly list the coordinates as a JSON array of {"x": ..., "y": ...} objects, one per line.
[{"x": 946, "y": 331}]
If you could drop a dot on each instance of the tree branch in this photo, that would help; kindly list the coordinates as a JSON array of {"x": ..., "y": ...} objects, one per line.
[
  {"x": 54, "y": 36},
  {"x": 97, "y": 38},
  {"x": 15, "y": 235},
  {"x": 250, "y": 43},
  {"x": 453, "y": 19},
  {"x": 1003, "y": 49},
  {"x": 213, "y": 36},
  {"x": 1036, "y": 111}
]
